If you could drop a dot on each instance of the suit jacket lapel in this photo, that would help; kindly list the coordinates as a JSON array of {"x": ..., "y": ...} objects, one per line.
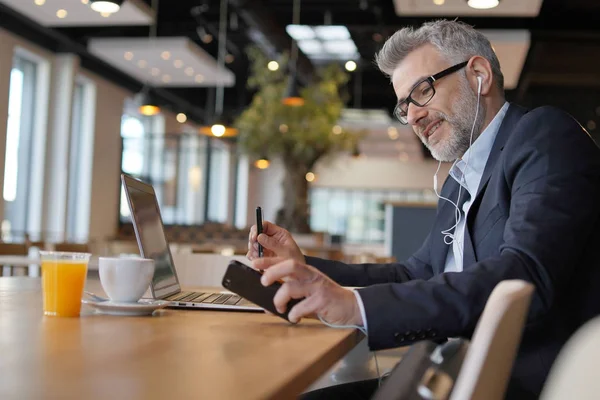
[{"x": 512, "y": 117}]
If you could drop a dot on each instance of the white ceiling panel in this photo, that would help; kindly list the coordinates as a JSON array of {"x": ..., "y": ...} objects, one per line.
[
  {"x": 165, "y": 61},
  {"x": 511, "y": 47},
  {"x": 512, "y": 8},
  {"x": 79, "y": 13}
]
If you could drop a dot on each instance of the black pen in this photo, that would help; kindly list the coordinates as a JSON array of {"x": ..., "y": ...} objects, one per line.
[{"x": 259, "y": 229}]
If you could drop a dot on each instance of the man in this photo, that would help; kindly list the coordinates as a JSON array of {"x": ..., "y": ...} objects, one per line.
[{"x": 528, "y": 187}]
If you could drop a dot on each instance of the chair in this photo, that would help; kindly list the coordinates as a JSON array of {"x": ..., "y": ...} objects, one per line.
[
  {"x": 574, "y": 374},
  {"x": 488, "y": 362},
  {"x": 72, "y": 247},
  {"x": 12, "y": 249}
]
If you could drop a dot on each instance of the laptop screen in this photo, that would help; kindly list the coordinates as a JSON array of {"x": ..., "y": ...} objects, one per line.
[{"x": 150, "y": 234}]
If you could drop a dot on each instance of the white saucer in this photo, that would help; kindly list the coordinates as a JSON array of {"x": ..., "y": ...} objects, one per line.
[{"x": 142, "y": 307}]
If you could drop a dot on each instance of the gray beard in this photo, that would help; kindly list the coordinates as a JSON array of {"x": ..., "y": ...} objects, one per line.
[{"x": 461, "y": 123}]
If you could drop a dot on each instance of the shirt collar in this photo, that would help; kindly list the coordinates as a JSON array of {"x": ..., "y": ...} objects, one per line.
[{"x": 476, "y": 156}]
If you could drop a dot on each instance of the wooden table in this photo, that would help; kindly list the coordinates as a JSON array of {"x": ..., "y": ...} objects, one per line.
[{"x": 173, "y": 354}]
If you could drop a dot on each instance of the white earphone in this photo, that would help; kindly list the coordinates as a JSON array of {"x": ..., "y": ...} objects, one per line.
[{"x": 448, "y": 234}]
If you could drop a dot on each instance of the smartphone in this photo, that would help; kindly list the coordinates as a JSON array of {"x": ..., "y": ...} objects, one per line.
[
  {"x": 259, "y": 229},
  {"x": 245, "y": 281}
]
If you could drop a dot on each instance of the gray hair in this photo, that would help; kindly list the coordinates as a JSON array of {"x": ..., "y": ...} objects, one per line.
[{"x": 455, "y": 40}]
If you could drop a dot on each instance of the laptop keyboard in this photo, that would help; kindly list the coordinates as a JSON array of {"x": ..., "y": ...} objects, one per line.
[{"x": 207, "y": 298}]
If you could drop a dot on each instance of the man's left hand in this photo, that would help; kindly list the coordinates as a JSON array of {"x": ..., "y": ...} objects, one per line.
[{"x": 322, "y": 296}]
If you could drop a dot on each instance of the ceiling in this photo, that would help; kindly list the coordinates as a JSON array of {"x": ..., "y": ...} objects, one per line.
[{"x": 545, "y": 47}]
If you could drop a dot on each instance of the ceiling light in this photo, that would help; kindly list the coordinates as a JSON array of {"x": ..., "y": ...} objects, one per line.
[
  {"x": 403, "y": 157},
  {"x": 199, "y": 78},
  {"x": 105, "y": 14},
  {"x": 181, "y": 118},
  {"x": 178, "y": 63},
  {"x": 40, "y": 2},
  {"x": 300, "y": 32},
  {"x": 217, "y": 130},
  {"x": 392, "y": 132},
  {"x": 283, "y": 128},
  {"x": 155, "y": 71},
  {"x": 62, "y": 13},
  {"x": 483, "y": 4},
  {"x": 145, "y": 104},
  {"x": 207, "y": 38},
  {"x": 439, "y": 2},
  {"x": 350, "y": 66},
  {"x": 106, "y": 6},
  {"x": 262, "y": 163},
  {"x": 128, "y": 55},
  {"x": 85, "y": 1},
  {"x": 165, "y": 55},
  {"x": 336, "y": 129},
  {"x": 229, "y": 58},
  {"x": 142, "y": 63},
  {"x": 332, "y": 32},
  {"x": 273, "y": 65},
  {"x": 166, "y": 78},
  {"x": 310, "y": 177},
  {"x": 292, "y": 96},
  {"x": 189, "y": 71}
]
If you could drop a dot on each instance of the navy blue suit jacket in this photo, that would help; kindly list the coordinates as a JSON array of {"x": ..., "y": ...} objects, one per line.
[{"x": 535, "y": 217}]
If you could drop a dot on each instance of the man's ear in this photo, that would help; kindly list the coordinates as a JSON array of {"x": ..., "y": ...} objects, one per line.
[{"x": 478, "y": 69}]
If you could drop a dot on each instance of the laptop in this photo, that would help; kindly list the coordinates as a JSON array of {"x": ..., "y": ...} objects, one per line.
[{"x": 152, "y": 242}]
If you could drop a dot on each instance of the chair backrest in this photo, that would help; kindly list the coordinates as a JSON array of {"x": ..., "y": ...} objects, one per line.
[
  {"x": 13, "y": 249},
  {"x": 487, "y": 365},
  {"x": 72, "y": 247},
  {"x": 574, "y": 374}
]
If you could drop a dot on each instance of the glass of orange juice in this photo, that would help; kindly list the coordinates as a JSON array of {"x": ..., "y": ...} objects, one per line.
[{"x": 63, "y": 279}]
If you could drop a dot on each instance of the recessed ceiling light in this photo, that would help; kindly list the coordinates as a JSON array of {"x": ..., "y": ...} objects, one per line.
[
  {"x": 439, "y": 2},
  {"x": 106, "y": 6},
  {"x": 165, "y": 55},
  {"x": 62, "y": 13},
  {"x": 155, "y": 71},
  {"x": 273, "y": 65},
  {"x": 207, "y": 38},
  {"x": 404, "y": 157},
  {"x": 199, "y": 78},
  {"x": 105, "y": 14},
  {"x": 128, "y": 55},
  {"x": 336, "y": 129},
  {"x": 166, "y": 78},
  {"x": 85, "y": 1},
  {"x": 350, "y": 66},
  {"x": 142, "y": 63},
  {"x": 181, "y": 118},
  {"x": 189, "y": 71},
  {"x": 483, "y": 4},
  {"x": 310, "y": 176},
  {"x": 229, "y": 58},
  {"x": 178, "y": 63},
  {"x": 40, "y": 2}
]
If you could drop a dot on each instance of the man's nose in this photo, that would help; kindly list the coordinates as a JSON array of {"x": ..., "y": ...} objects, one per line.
[{"x": 415, "y": 113}]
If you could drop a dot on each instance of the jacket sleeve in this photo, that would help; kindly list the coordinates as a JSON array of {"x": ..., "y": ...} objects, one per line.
[
  {"x": 552, "y": 171},
  {"x": 416, "y": 267}
]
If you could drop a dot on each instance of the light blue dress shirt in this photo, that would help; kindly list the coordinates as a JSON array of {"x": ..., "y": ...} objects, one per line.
[{"x": 471, "y": 166}]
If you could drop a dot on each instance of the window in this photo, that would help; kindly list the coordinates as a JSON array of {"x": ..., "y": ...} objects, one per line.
[
  {"x": 218, "y": 189},
  {"x": 80, "y": 163},
  {"x": 19, "y": 145},
  {"x": 357, "y": 214}
]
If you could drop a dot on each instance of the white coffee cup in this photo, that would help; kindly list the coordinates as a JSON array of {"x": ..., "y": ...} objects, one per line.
[{"x": 125, "y": 279}]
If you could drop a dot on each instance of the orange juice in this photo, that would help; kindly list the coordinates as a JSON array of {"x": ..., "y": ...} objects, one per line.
[{"x": 62, "y": 285}]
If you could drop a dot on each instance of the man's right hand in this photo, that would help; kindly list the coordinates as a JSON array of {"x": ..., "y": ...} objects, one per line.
[{"x": 276, "y": 242}]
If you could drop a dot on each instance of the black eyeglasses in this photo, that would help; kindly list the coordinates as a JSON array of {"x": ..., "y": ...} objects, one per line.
[{"x": 422, "y": 93}]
